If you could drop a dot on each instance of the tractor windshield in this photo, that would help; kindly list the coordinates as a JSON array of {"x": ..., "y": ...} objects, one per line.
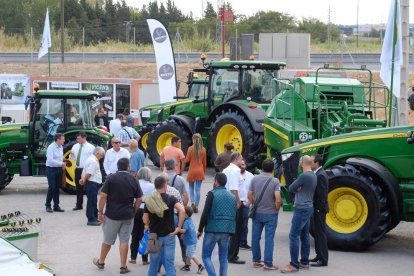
[
  {"x": 197, "y": 90},
  {"x": 257, "y": 84},
  {"x": 225, "y": 85}
]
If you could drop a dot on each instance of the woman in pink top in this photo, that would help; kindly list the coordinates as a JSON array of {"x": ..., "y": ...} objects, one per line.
[{"x": 196, "y": 156}]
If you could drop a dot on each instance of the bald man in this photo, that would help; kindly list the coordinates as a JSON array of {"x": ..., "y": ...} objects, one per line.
[{"x": 303, "y": 188}]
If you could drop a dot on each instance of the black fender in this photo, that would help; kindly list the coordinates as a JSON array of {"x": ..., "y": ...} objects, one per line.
[
  {"x": 254, "y": 115},
  {"x": 186, "y": 121},
  {"x": 385, "y": 176}
]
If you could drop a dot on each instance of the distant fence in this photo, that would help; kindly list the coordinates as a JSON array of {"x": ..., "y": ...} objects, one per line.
[{"x": 352, "y": 59}]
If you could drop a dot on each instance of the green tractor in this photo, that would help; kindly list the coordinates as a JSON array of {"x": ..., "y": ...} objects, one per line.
[
  {"x": 150, "y": 114},
  {"x": 23, "y": 146},
  {"x": 371, "y": 182},
  {"x": 231, "y": 109}
]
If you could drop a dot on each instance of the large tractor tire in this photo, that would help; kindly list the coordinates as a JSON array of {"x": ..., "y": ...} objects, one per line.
[
  {"x": 5, "y": 177},
  {"x": 358, "y": 214},
  {"x": 160, "y": 137},
  {"x": 144, "y": 132},
  {"x": 233, "y": 127}
]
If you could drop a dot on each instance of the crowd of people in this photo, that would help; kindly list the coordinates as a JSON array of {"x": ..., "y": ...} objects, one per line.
[{"x": 132, "y": 202}]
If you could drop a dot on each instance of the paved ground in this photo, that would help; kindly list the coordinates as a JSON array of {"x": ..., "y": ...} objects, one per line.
[{"x": 68, "y": 246}]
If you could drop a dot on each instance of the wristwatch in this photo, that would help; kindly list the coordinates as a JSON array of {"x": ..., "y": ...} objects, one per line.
[{"x": 100, "y": 213}]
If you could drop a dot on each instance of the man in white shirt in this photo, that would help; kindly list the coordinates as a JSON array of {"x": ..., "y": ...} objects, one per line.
[
  {"x": 234, "y": 185},
  {"x": 245, "y": 204},
  {"x": 113, "y": 155},
  {"x": 115, "y": 125},
  {"x": 80, "y": 152},
  {"x": 91, "y": 178},
  {"x": 55, "y": 165}
]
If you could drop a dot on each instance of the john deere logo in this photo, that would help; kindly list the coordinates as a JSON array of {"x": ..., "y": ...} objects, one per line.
[
  {"x": 159, "y": 35},
  {"x": 166, "y": 72}
]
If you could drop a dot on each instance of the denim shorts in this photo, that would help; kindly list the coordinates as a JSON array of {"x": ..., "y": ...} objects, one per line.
[
  {"x": 111, "y": 228},
  {"x": 190, "y": 250}
]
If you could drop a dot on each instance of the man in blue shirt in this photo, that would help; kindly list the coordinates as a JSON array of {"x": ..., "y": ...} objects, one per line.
[
  {"x": 55, "y": 164},
  {"x": 137, "y": 157}
]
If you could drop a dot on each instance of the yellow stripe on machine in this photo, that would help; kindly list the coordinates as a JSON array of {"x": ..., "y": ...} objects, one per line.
[
  {"x": 180, "y": 102},
  {"x": 279, "y": 133},
  {"x": 358, "y": 138},
  {"x": 9, "y": 128}
]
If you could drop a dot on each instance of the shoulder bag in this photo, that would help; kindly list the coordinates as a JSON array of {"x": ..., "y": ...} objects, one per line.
[{"x": 153, "y": 245}]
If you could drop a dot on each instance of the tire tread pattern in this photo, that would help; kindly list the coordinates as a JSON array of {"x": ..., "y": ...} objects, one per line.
[{"x": 5, "y": 177}]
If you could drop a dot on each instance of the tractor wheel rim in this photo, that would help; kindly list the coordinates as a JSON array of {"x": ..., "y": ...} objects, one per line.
[
  {"x": 164, "y": 140},
  {"x": 229, "y": 133},
  {"x": 348, "y": 210},
  {"x": 70, "y": 169},
  {"x": 144, "y": 140}
]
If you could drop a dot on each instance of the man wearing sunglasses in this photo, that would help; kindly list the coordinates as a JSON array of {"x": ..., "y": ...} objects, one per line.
[{"x": 113, "y": 155}]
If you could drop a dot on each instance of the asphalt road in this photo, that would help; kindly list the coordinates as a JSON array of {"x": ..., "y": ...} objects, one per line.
[{"x": 68, "y": 245}]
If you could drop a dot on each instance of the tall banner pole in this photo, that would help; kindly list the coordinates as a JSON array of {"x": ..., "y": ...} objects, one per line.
[
  {"x": 405, "y": 35},
  {"x": 46, "y": 42},
  {"x": 391, "y": 55},
  {"x": 164, "y": 56},
  {"x": 48, "y": 59},
  {"x": 394, "y": 42}
]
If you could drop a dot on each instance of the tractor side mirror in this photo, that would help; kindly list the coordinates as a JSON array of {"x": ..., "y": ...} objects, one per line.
[
  {"x": 410, "y": 139},
  {"x": 411, "y": 101},
  {"x": 27, "y": 102}
]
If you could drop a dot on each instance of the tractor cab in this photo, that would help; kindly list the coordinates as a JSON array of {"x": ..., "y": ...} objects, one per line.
[
  {"x": 54, "y": 112},
  {"x": 243, "y": 80}
]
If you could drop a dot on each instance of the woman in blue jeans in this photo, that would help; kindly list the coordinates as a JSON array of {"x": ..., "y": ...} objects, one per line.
[{"x": 196, "y": 156}]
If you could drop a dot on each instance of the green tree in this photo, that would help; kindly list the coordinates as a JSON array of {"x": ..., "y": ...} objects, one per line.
[
  {"x": 153, "y": 10},
  {"x": 12, "y": 19},
  {"x": 209, "y": 12},
  {"x": 174, "y": 14},
  {"x": 317, "y": 29}
]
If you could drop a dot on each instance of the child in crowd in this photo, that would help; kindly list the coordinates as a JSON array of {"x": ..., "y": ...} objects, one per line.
[{"x": 190, "y": 241}]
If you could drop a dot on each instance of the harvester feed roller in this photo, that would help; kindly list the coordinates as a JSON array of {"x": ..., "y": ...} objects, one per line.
[
  {"x": 16, "y": 223},
  {"x": 10, "y": 215},
  {"x": 23, "y": 222},
  {"x": 14, "y": 230}
]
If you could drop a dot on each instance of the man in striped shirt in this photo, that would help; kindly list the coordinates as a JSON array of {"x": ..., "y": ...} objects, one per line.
[{"x": 127, "y": 133}]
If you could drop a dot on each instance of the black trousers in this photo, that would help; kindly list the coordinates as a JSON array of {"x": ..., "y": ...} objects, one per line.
[
  {"x": 321, "y": 242},
  {"x": 79, "y": 188},
  {"x": 235, "y": 239},
  {"x": 182, "y": 245},
  {"x": 136, "y": 235}
]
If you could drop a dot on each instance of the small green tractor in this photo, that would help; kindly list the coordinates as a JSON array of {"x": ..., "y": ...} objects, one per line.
[
  {"x": 231, "y": 109},
  {"x": 150, "y": 114},
  {"x": 371, "y": 182},
  {"x": 23, "y": 146}
]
